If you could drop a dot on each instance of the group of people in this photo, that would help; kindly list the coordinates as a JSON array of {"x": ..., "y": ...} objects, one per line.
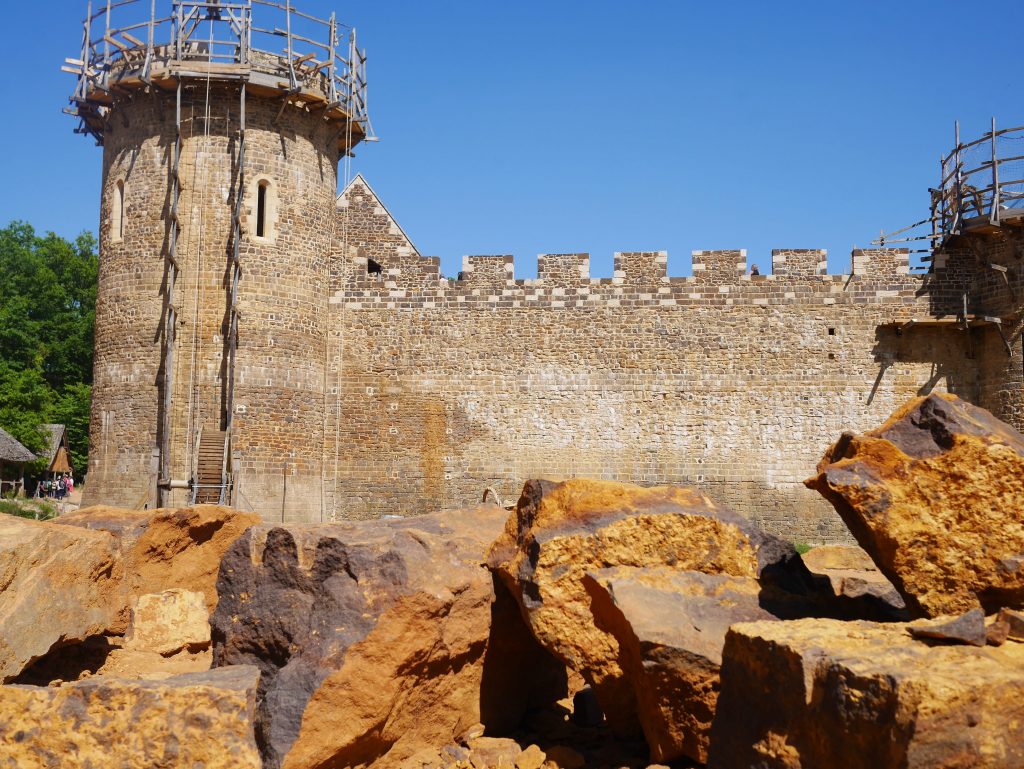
[{"x": 56, "y": 487}]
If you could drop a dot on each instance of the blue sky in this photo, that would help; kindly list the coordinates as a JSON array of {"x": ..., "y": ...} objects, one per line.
[{"x": 529, "y": 127}]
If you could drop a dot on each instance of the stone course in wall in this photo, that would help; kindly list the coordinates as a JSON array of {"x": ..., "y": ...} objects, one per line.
[{"x": 731, "y": 382}]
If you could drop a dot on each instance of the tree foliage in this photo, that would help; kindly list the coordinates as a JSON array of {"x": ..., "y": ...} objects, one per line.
[{"x": 47, "y": 312}]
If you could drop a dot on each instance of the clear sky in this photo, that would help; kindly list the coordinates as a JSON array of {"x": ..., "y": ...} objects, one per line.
[{"x": 529, "y": 127}]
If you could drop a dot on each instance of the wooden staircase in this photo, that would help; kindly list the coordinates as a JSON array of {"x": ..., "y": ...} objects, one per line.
[{"x": 210, "y": 486}]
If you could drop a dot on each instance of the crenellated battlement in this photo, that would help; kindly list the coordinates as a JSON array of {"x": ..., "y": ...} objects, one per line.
[
  {"x": 799, "y": 262},
  {"x": 569, "y": 270},
  {"x": 719, "y": 267},
  {"x": 386, "y": 269},
  {"x": 892, "y": 263},
  {"x": 640, "y": 279}
]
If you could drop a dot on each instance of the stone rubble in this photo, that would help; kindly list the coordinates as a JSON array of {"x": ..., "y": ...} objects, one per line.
[
  {"x": 599, "y": 625},
  {"x": 371, "y": 636},
  {"x": 862, "y": 695},
  {"x": 58, "y": 586},
  {"x": 193, "y": 720},
  {"x": 670, "y": 626},
  {"x": 924, "y": 495},
  {"x": 968, "y": 628},
  {"x": 560, "y": 531}
]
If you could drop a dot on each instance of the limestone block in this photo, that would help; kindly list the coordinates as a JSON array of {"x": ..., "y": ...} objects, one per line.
[{"x": 168, "y": 622}]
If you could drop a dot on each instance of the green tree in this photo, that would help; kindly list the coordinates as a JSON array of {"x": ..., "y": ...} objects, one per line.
[
  {"x": 47, "y": 314},
  {"x": 25, "y": 400}
]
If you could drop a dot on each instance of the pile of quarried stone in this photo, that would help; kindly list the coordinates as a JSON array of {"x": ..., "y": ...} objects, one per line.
[{"x": 600, "y": 624}]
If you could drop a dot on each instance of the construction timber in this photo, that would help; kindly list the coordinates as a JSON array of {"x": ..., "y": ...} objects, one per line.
[
  {"x": 270, "y": 47},
  {"x": 980, "y": 190}
]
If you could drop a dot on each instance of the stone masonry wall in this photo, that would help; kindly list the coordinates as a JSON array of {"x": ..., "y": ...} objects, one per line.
[
  {"x": 129, "y": 307},
  {"x": 278, "y": 434},
  {"x": 368, "y": 384},
  {"x": 279, "y": 399},
  {"x": 730, "y": 382}
]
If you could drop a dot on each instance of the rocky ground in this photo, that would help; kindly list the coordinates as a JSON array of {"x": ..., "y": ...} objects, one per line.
[{"x": 597, "y": 624}]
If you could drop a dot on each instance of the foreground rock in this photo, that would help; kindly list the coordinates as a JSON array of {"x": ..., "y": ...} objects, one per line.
[
  {"x": 968, "y": 628},
  {"x": 203, "y": 719},
  {"x": 73, "y": 581},
  {"x": 57, "y": 586},
  {"x": 860, "y": 589},
  {"x": 370, "y": 635},
  {"x": 934, "y": 495},
  {"x": 822, "y": 693},
  {"x": 561, "y": 531},
  {"x": 671, "y": 626},
  {"x": 519, "y": 675},
  {"x": 167, "y": 548}
]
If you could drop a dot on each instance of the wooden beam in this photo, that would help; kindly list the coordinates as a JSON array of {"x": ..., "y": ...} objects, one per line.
[
  {"x": 115, "y": 42},
  {"x": 133, "y": 40}
]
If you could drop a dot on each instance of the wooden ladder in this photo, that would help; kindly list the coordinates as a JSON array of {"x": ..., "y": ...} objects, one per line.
[{"x": 210, "y": 482}]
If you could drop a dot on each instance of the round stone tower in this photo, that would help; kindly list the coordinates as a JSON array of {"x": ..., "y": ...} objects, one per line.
[{"x": 221, "y": 124}]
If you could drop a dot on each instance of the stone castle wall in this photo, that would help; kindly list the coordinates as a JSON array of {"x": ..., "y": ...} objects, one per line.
[
  {"x": 129, "y": 307},
  {"x": 730, "y": 382},
  {"x": 278, "y": 404},
  {"x": 368, "y": 384}
]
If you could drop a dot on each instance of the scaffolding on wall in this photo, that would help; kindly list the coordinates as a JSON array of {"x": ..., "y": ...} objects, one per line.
[
  {"x": 980, "y": 189},
  {"x": 270, "y": 46}
]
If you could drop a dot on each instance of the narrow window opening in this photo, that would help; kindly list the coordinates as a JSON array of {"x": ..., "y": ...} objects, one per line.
[
  {"x": 121, "y": 209},
  {"x": 119, "y": 213},
  {"x": 261, "y": 210},
  {"x": 831, "y": 332},
  {"x": 373, "y": 268}
]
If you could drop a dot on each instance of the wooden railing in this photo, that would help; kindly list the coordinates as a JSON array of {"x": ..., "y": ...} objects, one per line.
[
  {"x": 981, "y": 185},
  {"x": 129, "y": 39}
]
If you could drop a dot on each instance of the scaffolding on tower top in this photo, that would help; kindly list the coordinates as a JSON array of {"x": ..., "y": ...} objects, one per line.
[
  {"x": 980, "y": 190},
  {"x": 272, "y": 48}
]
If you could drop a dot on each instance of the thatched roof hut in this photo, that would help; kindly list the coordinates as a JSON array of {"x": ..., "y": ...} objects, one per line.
[{"x": 13, "y": 458}]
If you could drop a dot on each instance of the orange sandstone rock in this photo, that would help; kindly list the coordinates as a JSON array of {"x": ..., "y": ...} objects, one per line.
[
  {"x": 371, "y": 635},
  {"x": 198, "y": 719},
  {"x": 863, "y": 695},
  {"x": 58, "y": 585},
  {"x": 935, "y": 497},
  {"x": 561, "y": 531},
  {"x": 855, "y": 580},
  {"x": 671, "y": 626},
  {"x": 77, "y": 577},
  {"x": 167, "y": 548}
]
